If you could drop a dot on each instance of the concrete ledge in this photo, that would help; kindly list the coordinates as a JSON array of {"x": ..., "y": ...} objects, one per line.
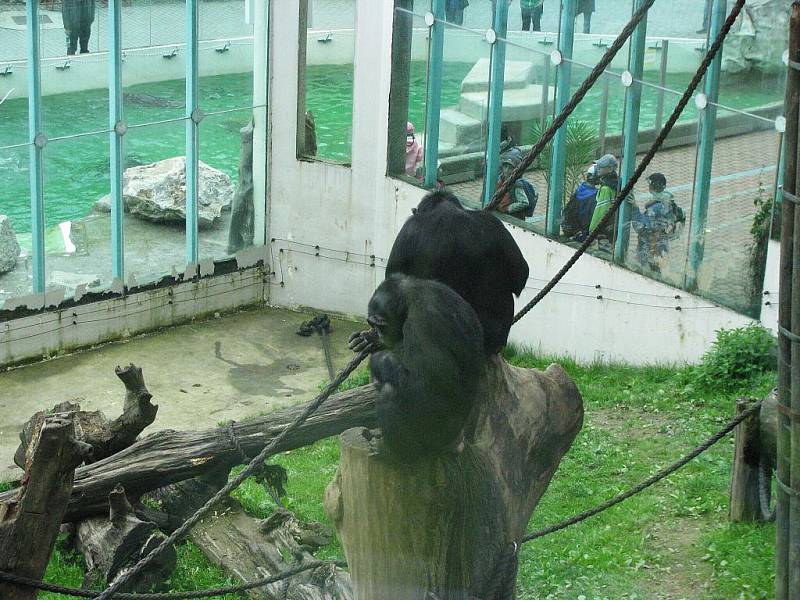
[{"x": 53, "y": 332}]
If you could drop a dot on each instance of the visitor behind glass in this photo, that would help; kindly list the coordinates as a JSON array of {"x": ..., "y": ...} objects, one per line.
[{"x": 78, "y": 16}]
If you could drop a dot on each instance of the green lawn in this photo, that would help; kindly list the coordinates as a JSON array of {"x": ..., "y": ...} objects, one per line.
[{"x": 671, "y": 541}]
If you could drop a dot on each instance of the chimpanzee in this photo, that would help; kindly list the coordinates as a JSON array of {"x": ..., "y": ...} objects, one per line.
[
  {"x": 469, "y": 251},
  {"x": 429, "y": 368}
]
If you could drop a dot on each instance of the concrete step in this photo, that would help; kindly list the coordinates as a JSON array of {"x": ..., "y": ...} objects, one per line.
[
  {"x": 459, "y": 129},
  {"x": 518, "y": 74},
  {"x": 523, "y": 104}
]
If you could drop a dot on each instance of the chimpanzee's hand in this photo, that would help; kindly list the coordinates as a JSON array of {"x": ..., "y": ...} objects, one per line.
[{"x": 364, "y": 340}]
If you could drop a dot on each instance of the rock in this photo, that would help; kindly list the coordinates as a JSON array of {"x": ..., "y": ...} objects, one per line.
[
  {"x": 9, "y": 247},
  {"x": 758, "y": 38},
  {"x": 157, "y": 192}
]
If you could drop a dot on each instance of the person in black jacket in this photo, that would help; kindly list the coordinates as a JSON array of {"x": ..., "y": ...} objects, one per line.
[
  {"x": 586, "y": 8},
  {"x": 78, "y": 16}
]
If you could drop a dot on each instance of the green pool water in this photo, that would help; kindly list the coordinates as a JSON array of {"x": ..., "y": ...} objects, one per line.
[{"x": 76, "y": 169}]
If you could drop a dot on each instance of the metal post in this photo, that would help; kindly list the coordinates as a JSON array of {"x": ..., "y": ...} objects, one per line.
[
  {"x": 705, "y": 153},
  {"x": 783, "y": 467},
  {"x": 497, "y": 71},
  {"x": 117, "y": 126},
  {"x": 602, "y": 126},
  {"x": 566, "y": 40},
  {"x": 402, "y": 32},
  {"x": 662, "y": 82},
  {"x": 630, "y": 135},
  {"x": 434, "y": 103},
  {"x": 260, "y": 89},
  {"x": 193, "y": 118},
  {"x": 545, "y": 91},
  {"x": 38, "y": 141}
]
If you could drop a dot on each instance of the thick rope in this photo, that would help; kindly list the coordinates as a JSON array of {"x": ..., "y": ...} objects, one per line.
[
  {"x": 254, "y": 464},
  {"x": 233, "y": 589},
  {"x": 648, "y": 158},
  {"x": 577, "y": 97},
  {"x": 665, "y": 472}
]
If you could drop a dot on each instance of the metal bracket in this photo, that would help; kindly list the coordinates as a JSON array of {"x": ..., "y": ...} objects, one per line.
[
  {"x": 198, "y": 115},
  {"x": 6, "y": 71}
]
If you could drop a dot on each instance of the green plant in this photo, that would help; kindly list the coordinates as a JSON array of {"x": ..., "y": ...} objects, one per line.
[
  {"x": 737, "y": 354},
  {"x": 581, "y": 151}
]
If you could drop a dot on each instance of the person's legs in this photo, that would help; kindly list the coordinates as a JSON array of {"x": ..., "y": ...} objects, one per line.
[
  {"x": 526, "y": 18},
  {"x": 86, "y": 31},
  {"x": 587, "y": 22},
  {"x": 537, "y": 18},
  {"x": 72, "y": 42}
]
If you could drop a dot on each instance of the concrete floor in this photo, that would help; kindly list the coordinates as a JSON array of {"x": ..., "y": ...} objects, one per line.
[{"x": 200, "y": 374}]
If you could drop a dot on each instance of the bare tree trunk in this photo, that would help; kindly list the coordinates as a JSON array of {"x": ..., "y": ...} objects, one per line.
[
  {"x": 446, "y": 526},
  {"x": 105, "y": 438},
  {"x": 31, "y": 516},
  {"x": 745, "y": 504}
]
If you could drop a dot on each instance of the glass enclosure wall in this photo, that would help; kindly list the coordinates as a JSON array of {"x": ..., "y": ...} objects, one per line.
[
  {"x": 121, "y": 161},
  {"x": 700, "y": 218},
  {"x": 326, "y": 81}
]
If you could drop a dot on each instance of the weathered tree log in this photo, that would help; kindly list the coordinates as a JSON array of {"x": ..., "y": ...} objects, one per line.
[
  {"x": 105, "y": 438},
  {"x": 30, "y": 517},
  {"x": 170, "y": 456},
  {"x": 248, "y": 548},
  {"x": 445, "y": 527},
  {"x": 114, "y": 543},
  {"x": 744, "y": 500}
]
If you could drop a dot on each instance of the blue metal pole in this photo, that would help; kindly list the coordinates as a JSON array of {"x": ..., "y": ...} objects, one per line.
[
  {"x": 193, "y": 118},
  {"x": 435, "y": 67},
  {"x": 705, "y": 153},
  {"x": 630, "y": 135},
  {"x": 117, "y": 126},
  {"x": 38, "y": 141},
  {"x": 497, "y": 71},
  {"x": 566, "y": 40}
]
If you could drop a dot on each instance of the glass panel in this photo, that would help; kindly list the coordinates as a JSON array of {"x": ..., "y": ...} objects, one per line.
[
  {"x": 742, "y": 182},
  {"x": 528, "y": 103},
  {"x": 154, "y": 67},
  {"x": 463, "y": 126},
  {"x": 328, "y": 78},
  {"x": 77, "y": 239},
  {"x": 662, "y": 21},
  {"x": 658, "y": 231},
  {"x": 13, "y": 110},
  {"x": 155, "y": 240},
  {"x": 225, "y": 229},
  {"x": 413, "y": 72},
  {"x": 15, "y": 222}
]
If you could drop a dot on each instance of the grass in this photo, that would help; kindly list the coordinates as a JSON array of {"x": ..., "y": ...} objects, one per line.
[{"x": 671, "y": 541}]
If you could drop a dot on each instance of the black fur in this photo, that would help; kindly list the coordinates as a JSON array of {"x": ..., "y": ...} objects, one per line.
[
  {"x": 428, "y": 372},
  {"x": 471, "y": 252}
]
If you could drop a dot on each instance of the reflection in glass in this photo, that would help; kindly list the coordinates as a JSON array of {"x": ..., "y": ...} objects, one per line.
[
  {"x": 15, "y": 224},
  {"x": 77, "y": 237}
]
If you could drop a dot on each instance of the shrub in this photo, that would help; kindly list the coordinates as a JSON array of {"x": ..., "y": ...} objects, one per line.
[{"x": 737, "y": 354}]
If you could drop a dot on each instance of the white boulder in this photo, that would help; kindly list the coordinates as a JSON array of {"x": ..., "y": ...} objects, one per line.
[
  {"x": 157, "y": 192},
  {"x": 9, "y": 247}
]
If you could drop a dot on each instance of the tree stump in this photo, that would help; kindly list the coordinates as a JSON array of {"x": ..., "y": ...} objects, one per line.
[
  {"x": 29, "y": 523},
  {"x": 114, "y": 543},
  {"x": 104, "y": 436},
  {"x": 446, "y": 527}
]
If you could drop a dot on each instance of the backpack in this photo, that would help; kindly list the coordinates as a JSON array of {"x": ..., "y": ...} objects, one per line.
[{"x": 530, "y": 193}]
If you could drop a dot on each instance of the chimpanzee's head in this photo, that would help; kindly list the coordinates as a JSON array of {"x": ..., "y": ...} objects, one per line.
[
  {"x": 388, "y": 309},
  {"x": 434, "y": 200}
]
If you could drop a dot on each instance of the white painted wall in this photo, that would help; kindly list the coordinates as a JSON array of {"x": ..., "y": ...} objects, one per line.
[
  {"x": 326, "y": 222},
  {"x": 769, "y": 300}
]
